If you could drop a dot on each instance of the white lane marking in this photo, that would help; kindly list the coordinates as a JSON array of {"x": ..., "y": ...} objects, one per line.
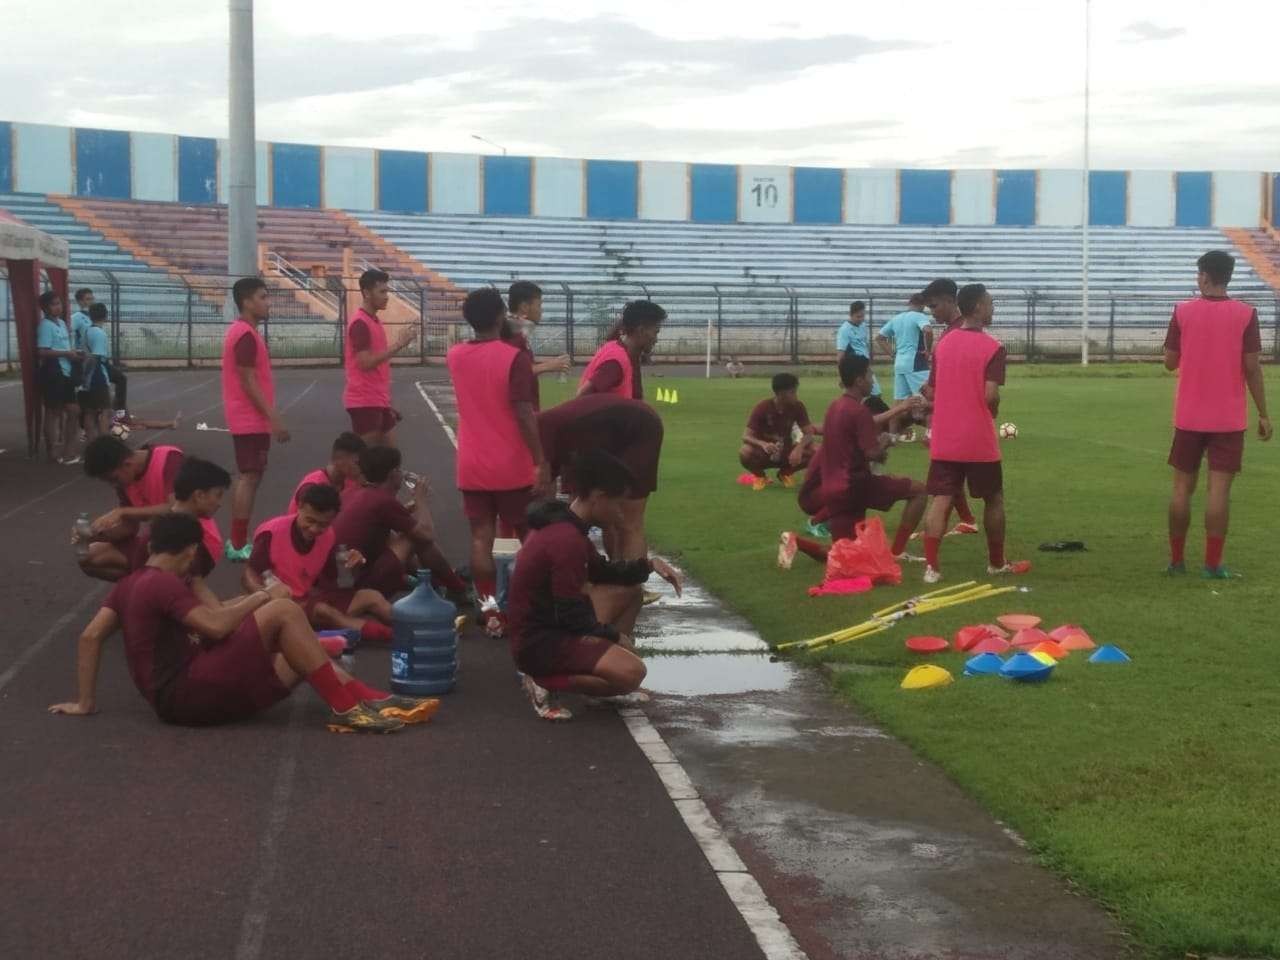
[
  {"x": 747, "y": 896},
  {"x": 29, "y": 654},
  {"x": 253, "y": 927}
]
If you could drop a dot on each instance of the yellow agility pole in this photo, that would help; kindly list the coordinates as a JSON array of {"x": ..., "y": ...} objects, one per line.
[
  {"x": 918, "y": 611},
  {"x": 925, "y": 596},
  {"x": 880, "y": 615}
]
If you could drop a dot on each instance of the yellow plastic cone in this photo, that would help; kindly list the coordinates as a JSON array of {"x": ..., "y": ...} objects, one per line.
[
  {"x": 926, "y": 676},
  {"x": 662, "y": 397},
  {"x": 675, "y": 396}
]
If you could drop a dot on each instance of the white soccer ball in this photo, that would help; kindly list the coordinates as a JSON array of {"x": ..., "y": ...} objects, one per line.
[
  {"x": 1008, "y": 431},
  {"x": 120, "y": 430}
]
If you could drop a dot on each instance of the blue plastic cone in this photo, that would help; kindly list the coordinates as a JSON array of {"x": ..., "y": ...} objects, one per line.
[
  {"x": 984, "y": 664},
  {"x": 1109, "y": 654},
  {"x": 1026, "y": 669}
]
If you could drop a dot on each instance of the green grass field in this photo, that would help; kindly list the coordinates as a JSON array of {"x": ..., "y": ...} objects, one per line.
[{"x": 1152, "y": 785}]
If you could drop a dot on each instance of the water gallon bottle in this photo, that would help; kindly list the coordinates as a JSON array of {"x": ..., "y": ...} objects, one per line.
[
  {"x": 84, "y": 533},
  {"x": 424, "y": 646},
  {"x": 346, "y": 576}
]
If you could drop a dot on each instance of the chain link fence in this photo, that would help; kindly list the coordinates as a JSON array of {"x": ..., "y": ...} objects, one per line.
[{"x": 165, "y": 321}]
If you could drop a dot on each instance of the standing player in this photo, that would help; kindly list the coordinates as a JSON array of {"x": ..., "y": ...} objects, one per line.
[
  {"x": 767, "y": 442},
  {"x": 615, "y": 368},
  {"x": 524, "y": 313},
  {"x": 367, "y": 356},
  {"x": 499, "y": 453},
  {"x": 342, "y": 472},
  {"x": 855, "y": 335},
  {"x": 968, "y": 371},
  {"x": 910, "y": 336},
  {"x": 1214, "y": 343},
  {"x": 57, "y": 387},
  {"x": 249, "y": 402}
]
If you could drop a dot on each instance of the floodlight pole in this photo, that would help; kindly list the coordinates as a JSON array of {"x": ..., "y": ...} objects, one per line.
[
  {"x": 1084, "y": 204},
  {"x": 242, "y": 190}
]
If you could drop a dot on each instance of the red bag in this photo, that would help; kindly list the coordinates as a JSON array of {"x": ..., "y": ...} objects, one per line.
[{"x": 868, "y": 555}]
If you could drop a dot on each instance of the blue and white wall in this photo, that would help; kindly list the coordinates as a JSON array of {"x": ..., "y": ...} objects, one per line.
[{"x": 35, "y": 158}]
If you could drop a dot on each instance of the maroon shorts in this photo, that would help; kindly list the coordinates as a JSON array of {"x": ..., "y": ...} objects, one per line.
[
  {"x": 335, "y": 597},
  {"x": 231, "y": 681},
  {"x": 810, "y": 496},
  {"x": 1226, "y": 451},
  {"x": 372, "y": 419},
  {"x": 509, "y": 506},
  {"x": 947, "y": 479},
  {"x": 251, "y": 451},
  {"x": 550, "y": 654},
  {"x": 874, "y": 492},
  {"x": 385, "y": 574}
]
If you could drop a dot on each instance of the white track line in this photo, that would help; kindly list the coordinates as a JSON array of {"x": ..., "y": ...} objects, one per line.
[{"x": 744, "y": 891}]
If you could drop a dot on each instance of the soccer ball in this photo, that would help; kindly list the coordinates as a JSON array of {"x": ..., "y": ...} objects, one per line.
[
  {"x": 1008, "y": 431},
  {"x": 120, "y": 430}
]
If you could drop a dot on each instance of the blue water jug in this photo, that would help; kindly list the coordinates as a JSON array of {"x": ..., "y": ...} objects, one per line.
[{"x": 424, "y": 649}]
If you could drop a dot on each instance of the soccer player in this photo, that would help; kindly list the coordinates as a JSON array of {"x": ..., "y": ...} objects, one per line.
[
  {"x": 968, "y": 371},
  {"x": 144, "y": 482},
  {"x": 95, "y": 387},
  {"x": 615, "y": 368},
  {"x": 910, "y": 336},
  {"x": 851, "y": 442},
  {"x": 524, "y": 313},
  {"x": 855, "y": 335},
  {"x": 940, "y": 298},
  {"x": 627, "y": 429},
  {"x": 768, "y": 442},
  {"x": 572, "y": 611},
  {"x": 1214, "y": 343},
  {"x": 302, "y": 550},
  {"x": 500, "y": 464},
  {"x": 250, "y": 653},
  {"x": 249, "y": 402},
  {"x": 57, "y": 386},
  {"x": 80, "y": 323},
  {"x": 342, "y": 472},
  {"x": 81, "y": 320},
  {"x": 387, "y": 533},
  {"x": 367, "y": 356}
]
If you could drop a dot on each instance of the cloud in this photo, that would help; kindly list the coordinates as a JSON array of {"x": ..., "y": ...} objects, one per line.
[{"x": 1144, "y": 31}]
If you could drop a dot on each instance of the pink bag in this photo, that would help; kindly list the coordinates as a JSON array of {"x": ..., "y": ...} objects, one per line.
[
  {"x": 840, "y": 588},
  {"x": 868, "y": 555}
]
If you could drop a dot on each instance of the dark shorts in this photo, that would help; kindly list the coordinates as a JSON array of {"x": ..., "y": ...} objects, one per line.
[
  {"x": 509, "y": 506},
  {"x": 335, "y": 597},
  {"x": 57, "y": 389},
  {"x": 229, "y": 682},
  {"x": 874, "y": 492},
  {"x": 551, "y": 654},
  {"x": 99, "y": 398},
  {"x": 876, "y": 405},
  {"x": 251, "y": 451},
  {"x": 372, "y": 419},
  {"x": 947, "y": 479},
  {"x": 385, "y": 574},
  {"x": 1226, "y": 451}
]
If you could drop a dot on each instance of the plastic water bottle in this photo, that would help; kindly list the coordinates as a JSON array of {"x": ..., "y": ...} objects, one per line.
[
  {"x": 346, "y": 576},
  {"x": 84, "y": 533},
  {"x": 424, "y": 648}
]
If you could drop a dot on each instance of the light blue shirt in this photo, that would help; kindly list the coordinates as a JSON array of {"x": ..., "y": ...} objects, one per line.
[
  {"x": 52, "y": 334},
  {"x": 97, "y": 343},
  {"x": 80, "y": 324},
  {"x": 905, "y": 330},
  {"x": 858, "y": 339}
]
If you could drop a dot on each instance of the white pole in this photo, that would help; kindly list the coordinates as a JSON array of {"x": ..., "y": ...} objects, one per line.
[
  {"x": 1084, "y": 213},
  {"x": 242, "y": 190}
]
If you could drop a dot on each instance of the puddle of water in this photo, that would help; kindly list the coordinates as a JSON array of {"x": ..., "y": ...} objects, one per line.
[
  {"x": 716, "y": 674},
  {"x": 693, "y": 622}
]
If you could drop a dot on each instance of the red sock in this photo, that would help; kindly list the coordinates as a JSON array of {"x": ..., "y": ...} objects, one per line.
[
  {"x": 239, "y": 532},
  {"x": 995, "y": 551},
  {"x": 931, "y": 545},
  {"x": 812, "y": 548},
  {"x": 555, "y": 681},
  {"x": 450, "y": 580},
  {"x": 486, "y": 586},
  {"x": 901, "y": 538},
  {"x": 961, "y": 506},
  {"x": 1213, "y": 551},
  {"x": 365, "y": 692},
  {"x": 1177, "y": 549},
  {"x": 332, "y": 690},
  {"x": 375, "y": 631}
]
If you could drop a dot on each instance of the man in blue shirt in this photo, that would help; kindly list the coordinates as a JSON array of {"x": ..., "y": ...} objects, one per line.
[
  {"x": 95, "y": 388},
  {"x": 854, "y": 335},
  {"x": 80, "y": 322},
  {"x": 54, "y": 353},
  {"x": 910, "y": 337}
]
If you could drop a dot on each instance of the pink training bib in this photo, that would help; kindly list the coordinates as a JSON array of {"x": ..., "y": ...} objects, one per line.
[
  {"x": 1211, "y": 384},
  {"x": 297, "y": 571},
  {"x": 492, "y": 454},
  {"x": 149, "y": 490},
  {"x": 613, "y": 350},
  {"x": 367, "y": 388},
  {"x": 242, "y": 416},
  {"x": 963, "y": 429}
]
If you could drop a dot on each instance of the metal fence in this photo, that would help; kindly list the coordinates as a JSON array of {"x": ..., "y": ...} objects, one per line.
[{"x": 163, "y": 320}]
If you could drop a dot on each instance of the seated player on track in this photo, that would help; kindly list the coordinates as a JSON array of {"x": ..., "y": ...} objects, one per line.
[
  {"x": 301, "y": 550},
  {"x": 628, "y": 429},
  {"x": 909, "y": 335},
  {"x": 342, "y": 472},
  {"x": 143, "y": 480},
  {"x": 571, "y": 610},
  {"x": 248, "y": 654},
  {"x": 1214, "y": 343},
  {"x": 389, "y": 535},
  {"x": 968, "y": 371},
  {"x": 615, "y": 368},
  {"x": 852, "y": 440},
  {"x": 768, "y": 443}
]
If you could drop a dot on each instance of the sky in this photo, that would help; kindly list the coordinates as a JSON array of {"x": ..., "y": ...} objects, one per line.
[{"x": 956, "y": 84}]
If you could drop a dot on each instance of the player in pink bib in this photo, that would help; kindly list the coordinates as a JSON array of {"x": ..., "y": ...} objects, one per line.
[
  {"x": 249, "y": 403},
  {"x": 500, "y": 461},
  {"x": 342, "y": 471},
  {"x": 367, "y": 358},
  {"x": 616, "y": 366},
  {"x": 1214, "y": 343},
  {"x": 968, "y": 371}
]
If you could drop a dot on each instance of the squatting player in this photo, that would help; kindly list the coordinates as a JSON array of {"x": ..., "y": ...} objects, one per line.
[{"x": 767, "y": 441}]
